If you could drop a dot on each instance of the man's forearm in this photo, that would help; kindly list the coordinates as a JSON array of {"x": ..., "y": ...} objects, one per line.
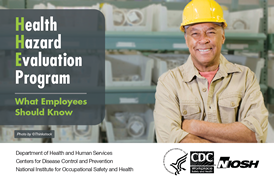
[
  {"x": 220, "y": 133},
  {"x": 190, "y": 138}
]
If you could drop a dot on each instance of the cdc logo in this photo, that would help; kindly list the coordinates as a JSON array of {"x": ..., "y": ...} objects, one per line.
[{"x": 202, "y": 162}]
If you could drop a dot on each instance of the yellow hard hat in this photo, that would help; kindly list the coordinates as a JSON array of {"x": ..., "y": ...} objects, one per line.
[{"x": 199, "y": 11}]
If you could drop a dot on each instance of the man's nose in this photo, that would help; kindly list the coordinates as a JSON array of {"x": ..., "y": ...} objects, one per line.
[{"x": 204, "y": 39}]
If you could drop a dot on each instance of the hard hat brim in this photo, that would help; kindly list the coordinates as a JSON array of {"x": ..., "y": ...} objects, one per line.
[{"x": 182, "y": 27}]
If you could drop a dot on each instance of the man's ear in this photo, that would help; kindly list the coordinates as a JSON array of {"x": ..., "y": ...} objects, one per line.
[{"x": 223, "y": 36}]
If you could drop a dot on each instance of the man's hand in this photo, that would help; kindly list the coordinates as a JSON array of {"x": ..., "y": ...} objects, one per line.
[
  {"x": 190, "y": 138},
  {"x": 189, "y": 125},
  {"x": 220, "y": 133}
]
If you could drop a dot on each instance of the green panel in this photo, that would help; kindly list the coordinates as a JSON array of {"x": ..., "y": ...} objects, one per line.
[
  {"x": 174, "y": 5},
  {"x": 137, "y": 98},
  {"x": 271, "y": 42},
  {"x": 244, "y": 41},
  {"x": 246, "y": 7},
  {"x": 131, "y": 89},
  {"x": 133, "y": 95},
  {"x": 270, "y": 96},
  {"x": 250, "y": 45},
  {"x": 3, "y": 3},
  {"x": 14, "y": 4},
  {"x": 235, "y": 6},
  {"x": 263, "y": 88},
  {"x": 145, "y": 40},
  {"x": 245, "y": 36}
]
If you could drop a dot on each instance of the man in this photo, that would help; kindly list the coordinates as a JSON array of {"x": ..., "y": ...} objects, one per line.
[{"x": 208, "y": 99}]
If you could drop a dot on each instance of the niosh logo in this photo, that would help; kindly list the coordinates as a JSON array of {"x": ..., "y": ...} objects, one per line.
[
  {"x": 224, "y": 163},
  {"x": 174, "y": 160}
]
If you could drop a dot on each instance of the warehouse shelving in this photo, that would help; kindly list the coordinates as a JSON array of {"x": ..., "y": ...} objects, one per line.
[
  {"x": 253, "y": 42},
  {"x": 168, "y": 41},
  {"x": 175, "y": 41}
]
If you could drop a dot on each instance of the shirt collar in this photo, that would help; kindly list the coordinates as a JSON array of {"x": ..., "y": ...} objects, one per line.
[{"x": 225, "y": 68}]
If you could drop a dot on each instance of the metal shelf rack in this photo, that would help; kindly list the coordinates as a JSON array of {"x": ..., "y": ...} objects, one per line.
[{"x": 270, "y": 38}]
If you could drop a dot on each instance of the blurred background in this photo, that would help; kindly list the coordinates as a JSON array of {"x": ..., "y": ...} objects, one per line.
[{"x": 142, "y": 41}]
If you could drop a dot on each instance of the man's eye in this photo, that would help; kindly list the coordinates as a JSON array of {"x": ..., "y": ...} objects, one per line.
[
  {"x": 194, "y": 34},
  {"x": 211, "y": 32}
]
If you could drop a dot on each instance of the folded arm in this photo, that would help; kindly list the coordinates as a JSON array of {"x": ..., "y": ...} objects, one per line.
[
  {"x": 219, "y": 133},
  {"x": 190, "y": 138},
  {"x": 252, "y": 120}
]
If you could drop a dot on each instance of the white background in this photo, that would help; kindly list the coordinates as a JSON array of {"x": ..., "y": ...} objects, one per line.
[{"x": 146, "y": 159}]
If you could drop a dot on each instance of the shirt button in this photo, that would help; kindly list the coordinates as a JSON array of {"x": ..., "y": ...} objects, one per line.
[
  {"x": 232, "y": 104},
  {"x": 204, "y": 89},
  {"x": 184, "y": 112}
]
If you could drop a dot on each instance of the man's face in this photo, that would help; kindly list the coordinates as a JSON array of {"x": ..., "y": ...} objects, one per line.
[{"x": 205, "y": 41}]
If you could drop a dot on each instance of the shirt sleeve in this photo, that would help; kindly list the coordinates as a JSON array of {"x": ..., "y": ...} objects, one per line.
[
  {"x": 253, "y": 113},
  {"x": 167, "y": 115}
]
